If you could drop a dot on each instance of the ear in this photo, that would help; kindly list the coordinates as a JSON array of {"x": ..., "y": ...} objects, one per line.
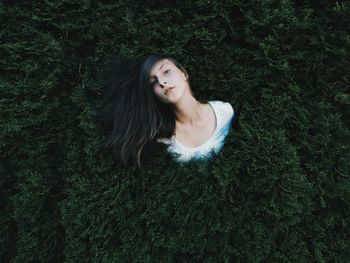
[{"x": 185, "y": 75}]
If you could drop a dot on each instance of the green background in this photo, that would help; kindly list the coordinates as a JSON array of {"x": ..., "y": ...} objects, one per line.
[{"x": 279, "y": 190}]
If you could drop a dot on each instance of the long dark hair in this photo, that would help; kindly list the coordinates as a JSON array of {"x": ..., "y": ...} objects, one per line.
[{"x": 130, "y": 110}]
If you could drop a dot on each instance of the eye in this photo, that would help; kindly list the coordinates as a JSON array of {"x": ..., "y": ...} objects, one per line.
[{"x": 167, "y": 71}]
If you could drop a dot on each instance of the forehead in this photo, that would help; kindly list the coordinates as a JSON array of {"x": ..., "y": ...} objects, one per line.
[{"x": 159, "y": 65}]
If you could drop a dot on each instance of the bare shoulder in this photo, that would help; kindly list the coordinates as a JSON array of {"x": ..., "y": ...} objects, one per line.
[{"x": 208, "y": 112}]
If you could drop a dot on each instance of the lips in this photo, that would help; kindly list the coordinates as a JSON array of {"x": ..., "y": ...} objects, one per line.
[{"x": 167, "y": 90}]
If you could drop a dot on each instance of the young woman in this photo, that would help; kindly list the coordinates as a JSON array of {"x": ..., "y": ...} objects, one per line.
[{"x": 149, "y": 99}]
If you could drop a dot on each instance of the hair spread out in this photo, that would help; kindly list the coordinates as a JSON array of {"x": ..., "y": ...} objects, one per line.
[{"x": 130, "y": 110}]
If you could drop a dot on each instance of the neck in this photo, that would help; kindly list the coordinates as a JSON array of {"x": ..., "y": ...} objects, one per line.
[{"x": 188, "y": 111}]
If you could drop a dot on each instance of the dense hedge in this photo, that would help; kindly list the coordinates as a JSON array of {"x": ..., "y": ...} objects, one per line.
[{"x": 279, "y": 190}]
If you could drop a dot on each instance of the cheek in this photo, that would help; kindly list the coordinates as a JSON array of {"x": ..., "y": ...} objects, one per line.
[
  {"x": 183, "y": 83},
  {"x": 158, "y": 92}
]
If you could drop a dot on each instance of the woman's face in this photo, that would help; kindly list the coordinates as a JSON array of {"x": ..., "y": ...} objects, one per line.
[{"x": 167, "y": 81}]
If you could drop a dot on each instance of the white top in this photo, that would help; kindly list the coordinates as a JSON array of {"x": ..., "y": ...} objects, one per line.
[{"x": 224, "y": 115}]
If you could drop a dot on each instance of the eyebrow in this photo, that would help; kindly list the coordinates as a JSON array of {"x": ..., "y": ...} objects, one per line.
[{"x": 160, "y": 68}]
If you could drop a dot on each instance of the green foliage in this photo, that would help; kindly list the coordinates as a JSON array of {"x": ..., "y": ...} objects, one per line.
[{"x": 279, "y": 191}]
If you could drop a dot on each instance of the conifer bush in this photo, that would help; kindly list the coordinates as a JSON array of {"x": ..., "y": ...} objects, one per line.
[{"x": 278, "y": 191}]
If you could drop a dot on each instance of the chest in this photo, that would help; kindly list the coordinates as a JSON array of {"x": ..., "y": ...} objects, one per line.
[{"x": 196, "y": 136}]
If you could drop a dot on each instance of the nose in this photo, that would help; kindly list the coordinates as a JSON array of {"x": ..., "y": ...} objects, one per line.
[
  {"x": 163, "y": 82},
  {"x": 164, "y": 85}
]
